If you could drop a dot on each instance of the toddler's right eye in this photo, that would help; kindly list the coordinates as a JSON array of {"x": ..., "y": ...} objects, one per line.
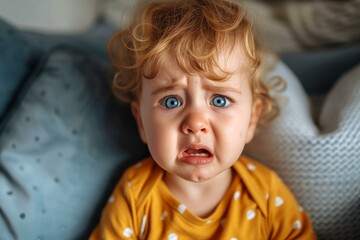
[{"x": 170, "y": 102}]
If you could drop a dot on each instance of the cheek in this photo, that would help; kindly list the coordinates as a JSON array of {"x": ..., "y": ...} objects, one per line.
[
  {"x": 233, "y": 129},
  {"x": 160, "y": 134},
  {"x": 233, "y": 141},
  {"x": 234, "y": 135}
]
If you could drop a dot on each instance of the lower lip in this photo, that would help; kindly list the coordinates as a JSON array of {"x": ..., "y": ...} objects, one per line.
[{"x": 196, "y": 160}]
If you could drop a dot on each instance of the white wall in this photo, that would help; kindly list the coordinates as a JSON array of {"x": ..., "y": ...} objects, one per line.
[{"x": 51, "y": 16}]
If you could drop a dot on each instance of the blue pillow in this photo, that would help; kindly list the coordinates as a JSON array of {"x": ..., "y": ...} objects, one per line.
[
  {"x": 94, "y": 40},
  {"x": 15, "y": 58},
  {"x": 62, "y": 150}
]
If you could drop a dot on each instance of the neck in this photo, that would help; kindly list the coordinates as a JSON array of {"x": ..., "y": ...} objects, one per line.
[{"x": 201, "y": 198}]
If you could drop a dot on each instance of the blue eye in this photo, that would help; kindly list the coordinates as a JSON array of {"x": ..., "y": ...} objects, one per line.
[
  {"x": 170, "y": 102},
  {"x": 220, "y": 101}
]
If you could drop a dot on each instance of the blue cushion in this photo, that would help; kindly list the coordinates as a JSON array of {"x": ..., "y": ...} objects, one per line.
[
  {"x": 15, "y": 58},
  {"x": 94, "y": 40},
  {"x": 62, "y": 149}
]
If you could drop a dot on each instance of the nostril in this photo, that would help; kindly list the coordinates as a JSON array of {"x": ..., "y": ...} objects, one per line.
[
  {"x": 204, "y": 130},
  {"x": 191, "y": 130},
  {"x": 195, "y": 123}
]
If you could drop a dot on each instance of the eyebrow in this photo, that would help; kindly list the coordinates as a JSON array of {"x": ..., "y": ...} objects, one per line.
[
  {"x": 167, "y": 88},
  {"x": 212, "y": 88}
]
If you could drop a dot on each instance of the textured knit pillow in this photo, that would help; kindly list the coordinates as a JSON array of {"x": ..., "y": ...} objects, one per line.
[
  {"x": 319, "y": 160},
  {"x": 63, "y": 145}
]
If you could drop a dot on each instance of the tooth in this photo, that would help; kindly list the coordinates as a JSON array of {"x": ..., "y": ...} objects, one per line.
[{"x": 198, "y": 154}]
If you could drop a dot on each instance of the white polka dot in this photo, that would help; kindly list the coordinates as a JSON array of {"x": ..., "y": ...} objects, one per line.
[
  {"x": 182, "y": 208},
  {"x": 278, "y": 201},
  {"x": 143, "y": 224},
  {"x": 127, "y": 232},
  {"x": 237, "y": 195},
  {"x": 111, "y": 199},
  {"x": 172, "y": 236},
  {"x": 251, "y": 167},
  {"x": 297, "y": 225},
  {"x": 233, "y": 238},
  {"x": 209, "y": 221},
  {"x": 301, "y": 209},
  {"x": 163, "y": 216},
  {"x": 129, "y": 184},
  {"x": 267, "y": 196},
  {"x": 250, "y": 214}
]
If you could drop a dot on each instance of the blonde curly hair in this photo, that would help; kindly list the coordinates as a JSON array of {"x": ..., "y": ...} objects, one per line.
[{"x": 193, "y": 32}]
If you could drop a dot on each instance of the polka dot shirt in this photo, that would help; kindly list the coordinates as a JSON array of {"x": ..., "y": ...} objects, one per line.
[{"x": 257, "y": 205}]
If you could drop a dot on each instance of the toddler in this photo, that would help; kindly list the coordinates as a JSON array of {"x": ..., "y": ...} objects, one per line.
[{"x": 190, "y": 70}]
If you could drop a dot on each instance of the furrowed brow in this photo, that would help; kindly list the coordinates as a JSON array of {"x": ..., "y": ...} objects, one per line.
[
  {"x": 221, "y": 89},
  {"x": 167, "y": 88}
]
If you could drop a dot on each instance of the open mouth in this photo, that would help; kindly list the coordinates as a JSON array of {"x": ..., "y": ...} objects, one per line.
[
  {"x": 196, "y": 155},
  {"x": 196, "y": 152}
]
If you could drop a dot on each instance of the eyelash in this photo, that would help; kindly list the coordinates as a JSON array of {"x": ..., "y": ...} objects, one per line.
[
  {"x": 227, "y": 101},
  {"x": 165, "y": 104}
]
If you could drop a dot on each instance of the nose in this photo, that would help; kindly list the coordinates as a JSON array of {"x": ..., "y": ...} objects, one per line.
[{"x": 195, "y": 123}]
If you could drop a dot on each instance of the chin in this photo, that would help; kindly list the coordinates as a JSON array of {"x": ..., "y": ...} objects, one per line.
[{"x": 197, "y": 178}]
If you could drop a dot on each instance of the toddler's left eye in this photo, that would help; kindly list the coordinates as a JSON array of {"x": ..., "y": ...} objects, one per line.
[{"x": 220, "y": 101}]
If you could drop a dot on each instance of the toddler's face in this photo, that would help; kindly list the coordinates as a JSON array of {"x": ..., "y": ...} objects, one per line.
[{"x": 196, "y": 128}]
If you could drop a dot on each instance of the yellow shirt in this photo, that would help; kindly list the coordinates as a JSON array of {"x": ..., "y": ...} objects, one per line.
[{"x": 257, "y": 205}]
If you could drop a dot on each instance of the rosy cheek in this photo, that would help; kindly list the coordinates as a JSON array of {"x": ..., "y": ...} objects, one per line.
[{"x": 234, "y": 132}]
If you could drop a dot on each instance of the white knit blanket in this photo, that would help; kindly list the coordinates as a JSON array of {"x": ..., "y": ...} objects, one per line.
[{"x": 318, "y": 159}]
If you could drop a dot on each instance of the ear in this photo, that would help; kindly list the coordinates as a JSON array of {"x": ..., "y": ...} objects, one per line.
[
  {"x": 135, "y": 109},
  {"x": 255, "y": 116}
]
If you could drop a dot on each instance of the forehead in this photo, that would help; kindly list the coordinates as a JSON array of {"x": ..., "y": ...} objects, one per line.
[
  {"x": 171, "y": 76},
  {"x": 232, "y": 59},
  {"x": 229, "y": 60}
]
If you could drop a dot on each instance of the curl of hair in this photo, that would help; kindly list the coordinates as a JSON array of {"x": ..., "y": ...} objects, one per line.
[{"x": 194, "y": 32}]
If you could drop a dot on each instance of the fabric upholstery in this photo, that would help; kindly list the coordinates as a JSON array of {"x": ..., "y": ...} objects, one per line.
[
  {"x": 16, "y": 55},
  {"x": 293, "y": 26},
  {"x": 61, "y": 148},
  {"x": 318, "y": 158}
]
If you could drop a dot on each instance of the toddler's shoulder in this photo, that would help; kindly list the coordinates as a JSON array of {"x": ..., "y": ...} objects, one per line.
[
  {"x": 259, "y": 180},
  {"x": 286, "y": 219},
  {"x": 140, "y": 178},
  {"x": 145, "y": 167},
  {"x": 262, "y": 174}
]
